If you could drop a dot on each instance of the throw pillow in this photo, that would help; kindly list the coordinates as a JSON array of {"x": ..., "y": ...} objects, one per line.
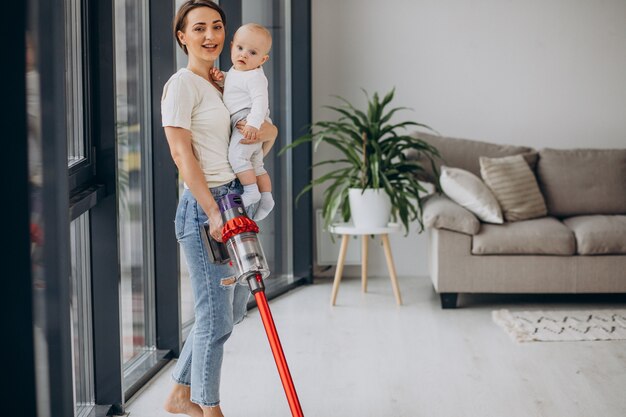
[
  {"x": 515, "y": 187},
  {"x": 468, "y": 191},
  {"x": 464, "y": 153}
]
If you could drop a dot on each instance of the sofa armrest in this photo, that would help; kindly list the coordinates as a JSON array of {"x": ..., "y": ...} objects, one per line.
[{"x": 442, "y": 213}]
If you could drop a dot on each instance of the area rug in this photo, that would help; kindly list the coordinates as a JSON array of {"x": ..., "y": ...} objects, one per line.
[{"x": 562, "y": 325}]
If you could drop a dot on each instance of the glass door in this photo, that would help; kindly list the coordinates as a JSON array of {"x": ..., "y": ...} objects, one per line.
[
  {"x": 134, "y": 186},
  {"x": 81, "y": 316},
  {"x": 78, "y": 143},
  {"x": 276, "y": 229}
]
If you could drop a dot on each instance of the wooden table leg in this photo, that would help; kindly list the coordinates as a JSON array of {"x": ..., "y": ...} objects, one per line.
[
  {"x": 392, "y": 268},
  {"x": 364, "y": 242},
  {"x": 339, "y": 271}
]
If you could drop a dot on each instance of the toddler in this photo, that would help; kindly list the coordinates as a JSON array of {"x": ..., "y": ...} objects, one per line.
[{"x": 246, "y": 97}]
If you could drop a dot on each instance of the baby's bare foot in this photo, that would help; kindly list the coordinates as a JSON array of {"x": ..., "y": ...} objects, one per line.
[{"x": 179, "y": 402}]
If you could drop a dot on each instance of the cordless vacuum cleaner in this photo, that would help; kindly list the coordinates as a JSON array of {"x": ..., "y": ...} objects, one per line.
[{"x": 242, "y": 248}]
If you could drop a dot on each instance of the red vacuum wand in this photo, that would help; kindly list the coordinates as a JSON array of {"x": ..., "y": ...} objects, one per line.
[
  {"x": 258, "y": 289},
  {"x": 246, "y": 254}
]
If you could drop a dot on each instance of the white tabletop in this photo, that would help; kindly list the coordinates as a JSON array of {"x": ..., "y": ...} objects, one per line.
[{"x": 351, "y": 229}]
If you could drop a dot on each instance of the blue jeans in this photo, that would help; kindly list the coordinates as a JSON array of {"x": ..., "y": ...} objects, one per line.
[{"x": 219, "y": 303}]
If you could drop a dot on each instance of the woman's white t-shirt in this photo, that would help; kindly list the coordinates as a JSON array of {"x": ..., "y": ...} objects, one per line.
[{"x": 193, "y": 103}]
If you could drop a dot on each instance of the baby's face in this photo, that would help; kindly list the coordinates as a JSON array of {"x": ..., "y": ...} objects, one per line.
[{"x": 249, "y": 49}]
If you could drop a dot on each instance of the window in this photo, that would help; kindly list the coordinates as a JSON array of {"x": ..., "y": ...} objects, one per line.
[
  {"x": 80, "y": 313},
  {"x": 74, "y": 83},
  {"x": 79, "y": 148},
  {"x": 80, "y": 173},
  {"x": 134, "y": 183},
  {"x": 276, "y": 229}
]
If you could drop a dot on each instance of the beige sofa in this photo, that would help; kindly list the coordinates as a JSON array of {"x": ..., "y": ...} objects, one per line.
[{"x": 579, "y": 247}]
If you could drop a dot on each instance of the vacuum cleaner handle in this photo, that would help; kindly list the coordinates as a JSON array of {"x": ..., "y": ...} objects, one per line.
[
  {"x": 258, "y": 289},
  {"x": 218, "y": 254}
]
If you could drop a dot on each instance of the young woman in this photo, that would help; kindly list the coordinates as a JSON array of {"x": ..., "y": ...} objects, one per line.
[{"x": 197, "y": 126}]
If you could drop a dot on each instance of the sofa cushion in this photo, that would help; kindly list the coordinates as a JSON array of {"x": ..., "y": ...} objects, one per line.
[
  {"x": 464, "y": 153},
  {"x": 442, "y": 213},
  {"x": 583, "y": 181},
  {"x": 545, "y": 236},
  {"x": 515, "y": 187},
  {"x": 599, "y": 235},
  {"x": 469, "y": 191}
]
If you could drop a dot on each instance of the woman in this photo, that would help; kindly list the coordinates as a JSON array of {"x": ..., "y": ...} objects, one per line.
[{"x": 197, "y": 126}]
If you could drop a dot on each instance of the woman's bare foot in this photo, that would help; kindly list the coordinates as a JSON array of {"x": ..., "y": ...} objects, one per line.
[
  {"x": 212, "y": 411},
  {"x": 179, "y": 402}
]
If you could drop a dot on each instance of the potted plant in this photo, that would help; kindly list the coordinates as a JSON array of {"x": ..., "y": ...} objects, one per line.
[{"x": 373, "y": 162}]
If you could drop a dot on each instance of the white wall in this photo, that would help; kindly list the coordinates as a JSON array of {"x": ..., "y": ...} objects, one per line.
[{"x": 527, "y": 72}]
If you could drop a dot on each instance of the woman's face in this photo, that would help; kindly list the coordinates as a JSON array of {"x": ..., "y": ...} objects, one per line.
[{"x": 204, "y": 34}]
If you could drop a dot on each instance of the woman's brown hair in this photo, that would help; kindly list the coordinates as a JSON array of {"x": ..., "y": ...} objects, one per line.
[{"x": 180, "y": 20}]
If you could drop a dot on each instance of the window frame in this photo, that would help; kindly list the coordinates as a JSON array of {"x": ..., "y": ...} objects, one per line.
[{"x": 82, "y": 174}]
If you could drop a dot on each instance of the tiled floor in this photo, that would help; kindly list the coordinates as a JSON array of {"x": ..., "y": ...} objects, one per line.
[{"x": 368, "y": 357}]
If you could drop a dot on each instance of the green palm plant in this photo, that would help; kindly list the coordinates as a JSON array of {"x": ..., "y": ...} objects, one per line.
[{"x": 373, "y": 156}]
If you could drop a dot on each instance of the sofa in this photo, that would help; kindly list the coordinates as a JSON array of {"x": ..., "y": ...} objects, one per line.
[{"x": 578, "y": 246}]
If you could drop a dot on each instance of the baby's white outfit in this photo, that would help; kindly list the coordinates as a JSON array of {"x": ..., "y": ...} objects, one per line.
[{"x": 246, "y": 97}]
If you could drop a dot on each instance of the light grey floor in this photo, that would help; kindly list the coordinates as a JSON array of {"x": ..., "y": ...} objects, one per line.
[{"x": 368, "y": 357}]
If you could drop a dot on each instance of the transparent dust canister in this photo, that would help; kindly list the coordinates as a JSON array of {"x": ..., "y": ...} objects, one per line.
[{"x": 247, "y": 256}]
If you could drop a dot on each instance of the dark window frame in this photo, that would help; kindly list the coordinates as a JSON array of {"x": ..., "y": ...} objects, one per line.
[
  {"x": 302, "y": 155},
  {"x": 165, "y": 183},
  {"x": 55, "y": 193},
  {"x": 82, "y": 175}
]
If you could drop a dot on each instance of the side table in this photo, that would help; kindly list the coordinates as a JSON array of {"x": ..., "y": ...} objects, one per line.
[{"x": 348, "y": 229}]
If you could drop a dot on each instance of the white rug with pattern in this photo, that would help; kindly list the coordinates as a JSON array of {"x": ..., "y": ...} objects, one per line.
[{"x": 562, "y": 325}]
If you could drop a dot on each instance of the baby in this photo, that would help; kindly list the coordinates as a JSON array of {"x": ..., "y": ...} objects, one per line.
[{"x": 246, "y": 97}]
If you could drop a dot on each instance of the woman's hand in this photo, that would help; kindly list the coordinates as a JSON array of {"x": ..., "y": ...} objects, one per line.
[
  {"x": 215, "y": 225},
  {"x": 250, "y": 132},
  {"x": 266, "y": 133}
]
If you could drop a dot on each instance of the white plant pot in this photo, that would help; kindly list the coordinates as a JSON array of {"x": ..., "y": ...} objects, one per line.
[{"x": 369, "y": 208}]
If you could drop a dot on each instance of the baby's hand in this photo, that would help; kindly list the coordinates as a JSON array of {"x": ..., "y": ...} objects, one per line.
[
  {"x": 250, "y": 132},
  {"x": 217, "y": 76}
]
